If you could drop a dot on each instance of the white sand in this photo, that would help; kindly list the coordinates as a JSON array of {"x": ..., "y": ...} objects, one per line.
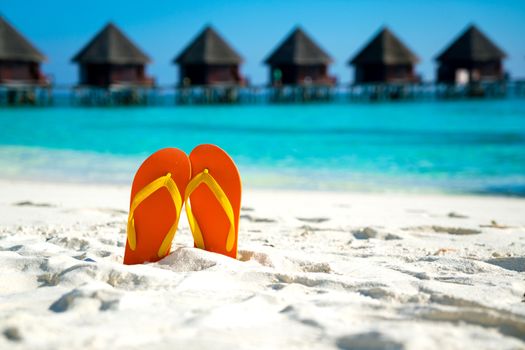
[{"x": 316, "y": 270}]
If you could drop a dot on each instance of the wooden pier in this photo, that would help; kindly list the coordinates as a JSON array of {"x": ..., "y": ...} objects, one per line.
[
  {"x": 301, "y": 93},
  {"x": 25, "y": 94},
  {"x": 472, "y": 90},
  {"x": 17, "y": 94},
  {"x": 386, "y": 92},
  {"x": 429, "y": 91},
  {"x": 114, "y": 95},
  {"x": 232, "y": 94},
  {"x": 206, "y": 94}
]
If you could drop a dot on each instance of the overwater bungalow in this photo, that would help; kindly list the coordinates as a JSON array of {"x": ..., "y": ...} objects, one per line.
[
  {"x": 385, "y": 60},
  {"x": 298, "y": 60},
  {"x": 111, "y": 61},
  {"x": 471, "y": 58},
  {"x": 20, "y": 71},
  {"x": 209, "y": 70},
  {"x": 299, "y": 69},
  {"x": 209, "y": 60}
]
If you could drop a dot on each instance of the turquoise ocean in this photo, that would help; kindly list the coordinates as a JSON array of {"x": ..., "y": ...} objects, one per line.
[{"x": 434, "y": 146}]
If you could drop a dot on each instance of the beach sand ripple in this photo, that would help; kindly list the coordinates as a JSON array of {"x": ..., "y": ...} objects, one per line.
[{"x": 353, "y": 271}]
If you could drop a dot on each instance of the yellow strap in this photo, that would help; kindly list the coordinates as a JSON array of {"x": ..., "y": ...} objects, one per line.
[
  {"x": 206, "y": 178},
  {"x": 162, "y": 182}
]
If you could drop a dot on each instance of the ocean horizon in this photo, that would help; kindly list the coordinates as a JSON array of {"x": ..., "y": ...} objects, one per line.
[{"x": 468, "y": 146}]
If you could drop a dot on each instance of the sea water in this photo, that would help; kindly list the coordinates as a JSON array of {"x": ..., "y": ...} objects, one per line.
[{"x": 451, "y": 146}]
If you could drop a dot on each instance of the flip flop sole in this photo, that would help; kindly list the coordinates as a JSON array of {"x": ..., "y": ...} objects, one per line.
[
  {"x": 157, "y": 213},
  {"x": 209, "y": 214}
]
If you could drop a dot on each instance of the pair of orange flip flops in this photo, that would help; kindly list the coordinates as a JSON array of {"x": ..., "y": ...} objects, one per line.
[{"x": 207, "y": 182}]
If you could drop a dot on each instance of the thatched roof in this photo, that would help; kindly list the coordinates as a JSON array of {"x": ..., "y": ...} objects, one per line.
[
  {"x": 472, "y": 45},
  {"x": 299, "y": 49},
  {"x": 13, "y": 45},
  {"x": 111, "y": 46},
  {"x": 208, "y": 48},
  {"x": 385, "y": 48}
]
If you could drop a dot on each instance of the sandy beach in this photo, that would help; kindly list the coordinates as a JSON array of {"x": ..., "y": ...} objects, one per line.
[{"x": 315, "y": 270}]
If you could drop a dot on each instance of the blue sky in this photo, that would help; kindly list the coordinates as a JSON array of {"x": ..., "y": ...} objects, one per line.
[{"x": 163, "y": 27}]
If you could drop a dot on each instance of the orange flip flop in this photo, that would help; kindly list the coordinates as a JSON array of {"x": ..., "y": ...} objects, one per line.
[
  {"x": 156, "y": 201},
  {"x": 214, "y": 193}
]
